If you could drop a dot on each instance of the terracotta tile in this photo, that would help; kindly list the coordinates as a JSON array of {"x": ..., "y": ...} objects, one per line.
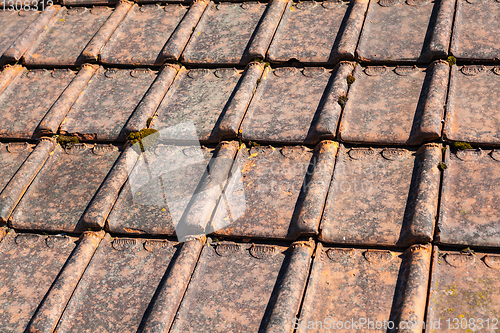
[
  {"x": 20, "y": 162},
  {"x": 383, "y": 196},
  {"x": 318, "y": 32},
  {"x": 120, "y": 282},
  {"x": 469, "y": 207},
  {"x": 203, "y": 97},
  {"x": 233, "y": 33},
  {"x": 471, "y": 112},
  {"x": 296, "y": 106},
  {"x": 281, "y": 193},
  {"x": 411, "y": 30},
  {"x": 395, "y": 105},
  {"x": 103, "y": 108},
  {"x": 463, "y": 292},
  {"x": 74, "y": 35},
  {"x": 30, "y": 264},
  {"x": 365, "y": 290},
  {"x": 476, "y": 31},
  {"x": 240, "y": 287},
  {"x": 141, "y": 38},
  {"x": 28, "y": 98},
  {"x": 20, "y": 28},
  {"x": 64, "y": 187},
  {"x": 162, "y": 184}
]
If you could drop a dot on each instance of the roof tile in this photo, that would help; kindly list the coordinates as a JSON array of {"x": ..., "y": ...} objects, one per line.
[
  {"x": 463, "y": 291},
  {"x": 141, "y": 38},
  {"x": 281, "y": 193},
  {"x": 468, "y": 198},
  {"x": 347, "y": 285},
  {"x": 203, "y": 98},
  {"x": 63, "y": 188},
  {"x": 318, "y": 32},
  {"x": 383, "y": 196},
  {"x": 296, "y": 106},
  {"x": 476, "y": 31},
  {"x": 395, "y": 105},
  {"x": 234, "y": 283},
  {"x": 103, "y": 108},
  {"x": 74, "y": 35},
  {"x": 471, "y": 112},
  {"x": 30, "y": 264},
  {"x": 28, "y": 98},
  {"x": 233, "y": 33},
  {"x": 412, "y": 30},
  {"x": 120, "y": 282}
]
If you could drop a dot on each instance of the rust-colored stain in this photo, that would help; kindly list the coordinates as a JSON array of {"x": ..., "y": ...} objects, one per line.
[
  {"x": 383, "y": 196},
  {"x": 472, "y": 112}
]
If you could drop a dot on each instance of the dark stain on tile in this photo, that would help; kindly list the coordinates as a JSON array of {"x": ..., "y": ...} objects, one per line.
[
  {"x": 240, "y": 287},
  {"x": 383, "y": 196},
  {"x": 30, "y": 263},
  {"x": 469, "y": 204},
  {"x": 472, "y": 111},
  {"x": 63, "y": 188},
  {"x": 397, "y": 30},
  {"x": 293, "y": 105},
  {"x": 103, "y": 108},
  {"x": 318, "y": 32},
  {"x": 28, "y": 98},
  {"x": 348, "y": 285},
  {"x": 476, "y": 30},
  {"x": 395, "y": 105}
]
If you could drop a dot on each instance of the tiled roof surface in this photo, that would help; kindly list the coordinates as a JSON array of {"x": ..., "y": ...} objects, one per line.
[{"x": 242, "y": 166}]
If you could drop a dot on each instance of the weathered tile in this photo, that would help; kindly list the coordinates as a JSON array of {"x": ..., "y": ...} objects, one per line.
[
  {"x": 28, "y": 98},
  {"x": 233, "y": 33},
  {"x": 281, "y": 193},
  {"x": 120, "y": 282},
  {"x": 29, "y": 266},
  {"x": 476, "y": 31},
  {"x": 383, "y": 196},
  {"x": 318, "y": 32},
  {"x": 74, "y": 35},
  {"x": 240, "y": 287},
  {"x": 161, "y": 185},
  {"x": 20, "y": 28},
  {"x": 395, "y": 105},
  {"x": 151, "y": 34},
  {"x": 296, "y": 106},
  {"x": 203, "y": 98},
  {"x": 366, "y": 290},
  {"x": 411, "y": 30},
  {"x": 20, "y": 162},
  {"x": 463, "y": 294},
  {"x": 103, "y": 108},
  {"x": 63, "y": 188},
  {"x": 469, "y": 205},
  {"x": 472, "y": 111}
]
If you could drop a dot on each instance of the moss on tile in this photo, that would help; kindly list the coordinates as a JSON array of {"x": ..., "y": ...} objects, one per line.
[{"x": 458, "y": 145}]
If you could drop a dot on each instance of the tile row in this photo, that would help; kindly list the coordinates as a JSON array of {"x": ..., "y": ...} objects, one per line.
[
  {"x": 233, "y": 33},
  {"x": 60, "y": 283},
  {"x": 346, "y": 195},
  {"x": 401, "y": 105}
]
